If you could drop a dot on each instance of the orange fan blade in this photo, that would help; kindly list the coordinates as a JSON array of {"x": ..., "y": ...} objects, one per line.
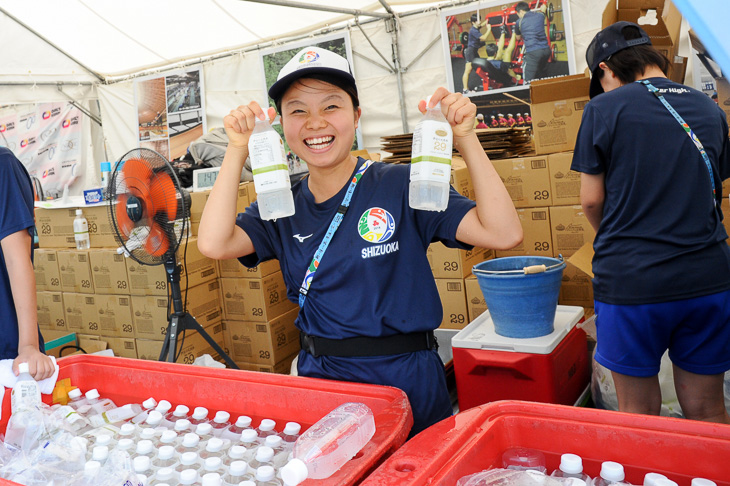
[
  {"x": 137, "y": 174},
  {"x": 163, "y": 195},
  {"x": 156, "y": 243},
  {"x": 124, "y": 224}
]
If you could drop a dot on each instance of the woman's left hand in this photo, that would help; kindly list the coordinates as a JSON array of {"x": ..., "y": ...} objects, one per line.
[{"x": 457, "y": 108}]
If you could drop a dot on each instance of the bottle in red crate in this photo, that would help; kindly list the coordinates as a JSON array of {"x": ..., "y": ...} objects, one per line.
[
  {"x": 571, "y": 466},
  {"x": 612, "y": 473},
  {"x": 524, "y": 459}
]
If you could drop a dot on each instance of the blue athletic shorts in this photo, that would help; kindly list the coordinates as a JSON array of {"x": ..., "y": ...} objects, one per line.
[{"x": 633, "y": 338}]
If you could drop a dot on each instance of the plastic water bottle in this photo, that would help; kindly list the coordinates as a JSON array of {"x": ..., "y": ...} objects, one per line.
[
  {"x": 189, "y": 443},
  {"x": 115, "y": 415},
  {"x": 96, "y": 404},
  {"x": 571, "y": 466},
  {"x": 147, "y": 406},
  {"x": 263, "y": 457},
  {"x": 204, "y": 431},
  {"x": 233, "y": 432},
  {"x": 169, "y": 437},
  {"x": 76, "y": 399},
  {"x": 142, "y": 465},
  {"x": 235, "y": 453},
  {"x": 145, "y": 448},
  {"x": 188, "y": 476},
  {"x": 211, "y": 479},
  {"x": 220, "y": 423},
  {"x": 270, "y": 171},
  {"x": 651, "y": 478},
  {"x": 524, "y": 459},
  {"x": 165, "y": 458},
  {"x": 266, "y": 476},
  {"x": 26, "y": 393},
  {"x": 328, "y": 444},
  {"x": 611, "y": 473},
  {"x": 265, "y": 429},
  {"x": 125, "y": 445},
  {"x": 189, "y": 461},
  {"x": 148, "y": 433},
  {"x": 91, "y": 470},
  {"x": 180, "y": 412},
  {"x": 100, "y": 454},
  {"x": 213, "y": 448},
  {"x": 182, "y": 426},
  {"x": 277, "y": 445},
  {"x": 237, "y": 472},
  {"x": 703, "y": 482},
  {"x": 73, "y": 419},
  {"x": 290, "y": 434},
  {"x": 165, "y": 475},
  {"x": 200, "y": 416},
  {"x": 81, "y": 231},
  {"x": 211, "y": 465},
  {"x": 431, "y": 161}
]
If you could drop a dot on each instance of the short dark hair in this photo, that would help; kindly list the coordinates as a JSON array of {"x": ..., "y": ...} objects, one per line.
[
  {"x": 628, "y": 64},
  {"x": 348, "y": 88},
  {"x": 522, "y": 7},
  {"x": 474, "y": 17},
  {"x": 491, "y": 50}
]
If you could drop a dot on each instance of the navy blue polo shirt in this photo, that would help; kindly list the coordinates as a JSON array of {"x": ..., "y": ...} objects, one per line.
[{"x": 532, "y": 29}]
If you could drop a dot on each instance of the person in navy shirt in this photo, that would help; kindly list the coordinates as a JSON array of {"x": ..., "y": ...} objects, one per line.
[
  {"x": 662, "y": 263},
  {"x": 372, "y": 306},
  {"x": 21, "y": 340},
  {"x": 475, "y": 41},
  {"x": 531, "y": 27}
]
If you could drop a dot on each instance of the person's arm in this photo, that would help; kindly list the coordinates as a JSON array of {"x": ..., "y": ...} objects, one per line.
[
  {"x": 218, "y": 236},
  {"x": 16, "y": 250},
  {"x": 592, "y": 196},
  {"x": 494, "y": 222}
]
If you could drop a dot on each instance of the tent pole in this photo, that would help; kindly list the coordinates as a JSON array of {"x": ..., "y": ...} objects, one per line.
[
  {"x": 78, "y": 105},
  {"x": 312, "y": 6},
  {"x": 27, "y": 27},
  {"x": 390, "y": 68}
]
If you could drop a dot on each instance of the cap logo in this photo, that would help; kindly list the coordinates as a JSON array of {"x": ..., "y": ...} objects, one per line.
[{"x": 307, "y": 57}]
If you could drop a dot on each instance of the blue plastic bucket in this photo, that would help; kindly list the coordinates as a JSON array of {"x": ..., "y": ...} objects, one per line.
[{"x": 521, "y": 293}]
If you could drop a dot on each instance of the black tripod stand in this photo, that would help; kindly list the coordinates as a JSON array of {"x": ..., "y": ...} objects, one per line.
[{"x": 181, "y": 321}]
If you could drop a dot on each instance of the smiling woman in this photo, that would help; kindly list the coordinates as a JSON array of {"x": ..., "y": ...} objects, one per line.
[{"x": 354, "y": 253}]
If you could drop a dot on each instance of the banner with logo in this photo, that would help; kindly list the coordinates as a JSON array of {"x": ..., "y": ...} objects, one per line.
[{"x": 47, "y": 140}]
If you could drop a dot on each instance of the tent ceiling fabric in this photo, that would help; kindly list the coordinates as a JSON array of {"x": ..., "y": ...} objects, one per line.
[{"x": 120, "y": 38}]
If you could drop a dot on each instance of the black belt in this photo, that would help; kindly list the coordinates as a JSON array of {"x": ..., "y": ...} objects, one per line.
[{"x": 368, "y": 346}]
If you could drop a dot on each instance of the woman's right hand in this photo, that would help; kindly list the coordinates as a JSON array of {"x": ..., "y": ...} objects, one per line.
[{"x": 240, "y": 122}]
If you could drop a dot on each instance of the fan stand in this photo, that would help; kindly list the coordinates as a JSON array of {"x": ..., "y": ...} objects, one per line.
[{"x": 181, "y": 321}]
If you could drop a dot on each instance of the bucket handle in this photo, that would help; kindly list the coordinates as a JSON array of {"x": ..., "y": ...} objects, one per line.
[{"x": 532, "y": 269}]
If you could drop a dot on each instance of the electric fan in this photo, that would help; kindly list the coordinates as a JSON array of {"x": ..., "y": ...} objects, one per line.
[{"x": 148, "y": 210}]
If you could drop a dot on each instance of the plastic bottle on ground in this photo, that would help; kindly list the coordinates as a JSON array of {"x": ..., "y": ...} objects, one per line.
[
  {"x": 702, "y": 482},
  {"x": 147, "y": 406},
  {"x": 26, "y": 393},
  {"x": 524, "y": 459},
  {"x": 651, "y": 478},
  {"x": 213, "y": 448},
  {"x": 611, "y": 473},
  {"x": 165, "y": 458},
  {"x": 265, "y": 429},
  {"x": 328, "y": 444},
  {"x": 431, "y": 161},
  {"x": 220, "y": 422},
  {"x": 237, "y": 472},
  {"x": 189, "y": 460},
  {"x": 235, "y": 453},
  {"x": 200, "y": 416},
  {"x": 190, "y": 442},
  {"x": 270, "y": 171},
  {"x": 76, "y": 399},
  {"x": 81, "y": 231},
  {"x": 266, "y": 476},
  {"x": 571, "y": 466}
]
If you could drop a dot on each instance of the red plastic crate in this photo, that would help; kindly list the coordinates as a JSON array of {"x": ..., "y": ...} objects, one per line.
[
  {"x": 258, "y": 395},
  {"x": 475, "y": 440}
]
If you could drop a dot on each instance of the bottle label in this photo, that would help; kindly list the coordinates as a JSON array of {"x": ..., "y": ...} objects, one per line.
[
  {"x": 431, "y": 152},
  {"x": 25, "y": 395},
  {"x": 268, "y": 162}
]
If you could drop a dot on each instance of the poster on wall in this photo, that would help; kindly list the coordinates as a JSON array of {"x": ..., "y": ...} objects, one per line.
[
  {"x": 501, "y": 46},
  {"x": 275, "y": 58},
  {"x": 170, "y": 111},
  {"x": 47, "y": 140}
]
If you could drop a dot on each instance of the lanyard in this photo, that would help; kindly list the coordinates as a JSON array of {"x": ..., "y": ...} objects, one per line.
[
  {"x": 687, "y": 129},
  {"x": 307, "y": 282}
]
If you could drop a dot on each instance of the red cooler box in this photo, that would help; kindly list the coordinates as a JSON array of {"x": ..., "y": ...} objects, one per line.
[
  {"x": 553, "y": 368},
  {"x": 258, "y": 395}
]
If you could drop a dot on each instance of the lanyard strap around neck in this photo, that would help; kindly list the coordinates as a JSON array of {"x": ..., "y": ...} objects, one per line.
[
  {"x": 691, "y": 134},
  {"x": 314, "y": 265}
]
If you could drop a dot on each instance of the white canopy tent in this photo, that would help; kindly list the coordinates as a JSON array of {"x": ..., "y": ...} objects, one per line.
[{"x": 89, "y": 52}]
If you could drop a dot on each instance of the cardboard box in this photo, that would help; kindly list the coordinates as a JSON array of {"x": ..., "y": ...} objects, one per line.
[
  {"x": 264, "y": 342},
  {"x": 149, "y": 313},
  {"x": 576, "y": 287},
  {"x": 55, "y": 341},
  {"x": 282, "y": 367},
  {"x": 124, "y": 347},
  {"x": 453, "y": 300},
  {"x": 557, "y": 107},
  {"x": 725, "y": 207},
  {"x": 255, "y": 299},
  {"x": 47, "y": 274},
  {"x": 81, "y": 313},
  {"x": 50, "y": 311},
  {"x": 664, "y": 34},
  {"x": 453, "y": 262},
  {"x": 723, "y": 101},
  {"x": 109, "y": 272},
  {"x": 55, "y": 227},
  {"x": 234, "y": 269},
  {"x": 475, "y": 303},
  {"x": 114, "y": 316},
  {"x": 191, "y": 346},
  {"x": 537, "y": 240},
  {"x": 527, "y": 180},
  {"x": 196, "y": 269},
  {"x": 101, "y": 232},
  {"x": 460, "y": 178},
  {"x": 570, "y": 229},
  {"x": 564, "y": 183},
  {"x": 75, "y": 270},
  {"x": 198, "y": 200}
]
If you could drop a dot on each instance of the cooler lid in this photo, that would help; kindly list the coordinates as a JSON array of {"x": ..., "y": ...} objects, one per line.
[{"x": 480, "y": 334}]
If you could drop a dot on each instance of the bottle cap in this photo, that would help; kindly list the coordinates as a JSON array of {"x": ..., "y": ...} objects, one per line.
[
  {"x": 248, "y": 436},
  {"x": 126, "y": 429},
  {"x": 214, "y": 445},
  {"x": 92, "y": 394},
  {"x": 200, "y": 413},
  {"x": 168, "y": 436},
  {"x": 665, "y": 482},
  {"x": 165, "y": 473},
  {"x": 650, "y": 478},
  {"x": 141, "y": 464},
  {"x": 613, "y": 471},
  {"x": 437, "y": 107},
  {"x": 212, "y": 463},
  {"x": 79, "y": 212},
  {"x": 292, "y": 428},
  {"x": 188, "y": 458},
  {"x": 571, "y": 464},
  {"x": 190, "y": 440},
  {"x": 267, "y": 425},
  {"x": 264, "y": 473},
  {"x": 264, "y": 454},
  {"x": 23, "y": 368},
  {"x": 166, "y": 452},
  {"x": 523, "y": 458},
  {"x": 203, "y": 429},
  {"x": 100, "y": 453},
  {"x": 125, "y": 444},
  {"x": 148, "y": 433},
  {"x": 188, "y": 476},
  {"x": 238, "y": 468},
  {"x": 181, "y": 411},
  {"x": 149, "y": 403},
  {"x": 236, "y": 452},
  {"x": 182, "y": 425},
  {"x": 144, "y": 446},
  {"x": 294, "y": 472},
  {"x": 243, "y": 421},
  {"x": 154, "y": 418},
  {"x": 103, "y": 440},
  {"x": 273, "y": 441},
  {"x": 163, "y": 406},
  {"x": 212, "y": 479},
  {"x": 91, "y": 468},
  {"x": 72, "y": 394},
  {"x": 703, "y": 482},
  {"x": 221, "y": 417}
]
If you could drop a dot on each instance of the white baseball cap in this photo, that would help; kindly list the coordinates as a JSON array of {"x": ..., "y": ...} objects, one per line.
[{"x": 311, "y": 60}]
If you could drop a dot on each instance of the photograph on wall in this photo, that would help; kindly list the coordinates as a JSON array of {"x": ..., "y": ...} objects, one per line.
[
  {"x": 504, "y": 110},
  {"x": 502, "y": 46},
  {"x": 170, "y": 111},
  {"x": 275, "y": 59}
]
